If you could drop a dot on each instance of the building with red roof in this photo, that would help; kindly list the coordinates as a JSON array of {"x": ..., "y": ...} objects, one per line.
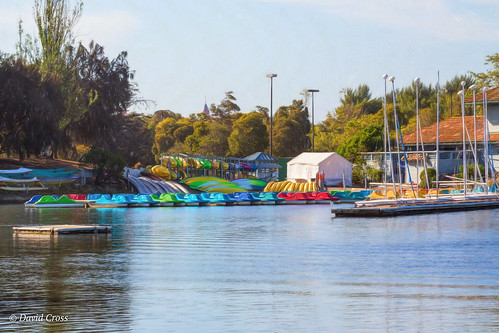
[{"x": 450, "y": 142}]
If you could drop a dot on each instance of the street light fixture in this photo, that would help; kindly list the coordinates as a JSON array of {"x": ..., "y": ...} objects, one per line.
[
  {"x": 271, "y": 76},
  {"x": 313, "y": 124}
]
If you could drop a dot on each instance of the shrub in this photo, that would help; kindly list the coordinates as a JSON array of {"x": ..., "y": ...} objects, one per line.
[
  {"x": 432, "y": 177},
  {"x": 106, "y": 164}
]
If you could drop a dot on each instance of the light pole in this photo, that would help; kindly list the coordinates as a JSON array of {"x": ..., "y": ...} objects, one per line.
[
  {"x": 271, "y": 76},
  {"x": 313, "y": 126}
]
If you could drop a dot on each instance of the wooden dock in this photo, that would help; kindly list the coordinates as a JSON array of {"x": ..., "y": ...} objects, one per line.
[
  {"x": 415, "y": 208},
  {"x": 63, "y": 229}
]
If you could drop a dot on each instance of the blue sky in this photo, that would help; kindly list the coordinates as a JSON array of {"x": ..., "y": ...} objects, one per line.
[{"x": 185, "y": 51}]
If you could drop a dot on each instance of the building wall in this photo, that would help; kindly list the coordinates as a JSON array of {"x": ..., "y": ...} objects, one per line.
[{"x": 493, "y": 118}]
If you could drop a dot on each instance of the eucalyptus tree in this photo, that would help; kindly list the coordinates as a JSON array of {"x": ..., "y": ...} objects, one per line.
[
  {"x": 30, "y": 107},
  {"x": 291, "y": 129},
  {"x": 55, "y": 21},
  {"x": 105, "y": 94},
  {"x": 450, "y": 90},
  {"x": 226, "y": 109},
  {"x": 362, "y": 98},
  {"x": 249, "y": 135},
  {"x": 491, "y": 77}
]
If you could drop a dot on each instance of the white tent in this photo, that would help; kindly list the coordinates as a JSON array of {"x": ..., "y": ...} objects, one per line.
[{"x": 306, "y": 165}]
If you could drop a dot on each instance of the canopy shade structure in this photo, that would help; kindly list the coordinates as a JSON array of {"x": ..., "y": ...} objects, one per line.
[
  {"x": 336, "y": 169},
  {"x": 261, "y": 157},
  {"x": 268, "y": 165}
]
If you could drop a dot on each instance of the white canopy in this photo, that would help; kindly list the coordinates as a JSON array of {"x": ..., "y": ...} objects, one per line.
[{"x": 306, "y": 165}]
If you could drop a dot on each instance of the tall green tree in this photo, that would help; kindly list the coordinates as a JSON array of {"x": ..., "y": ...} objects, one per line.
[
  {"x": 291, "y": 129},
  {"x": 226, "y": 109},
  {"x": 249, "y": 135},
  {"x": 56, "y": 22},
  {"x": 368, "y": 139},
  {"x": 450, "y": 90},
  {"x": 362, "y": 98},
  {"x": 30, "y": 107},
  {"x": 491, "y": 77},
  {"x": 135, "y": 139},
  {"x": 106, "y": 94}
]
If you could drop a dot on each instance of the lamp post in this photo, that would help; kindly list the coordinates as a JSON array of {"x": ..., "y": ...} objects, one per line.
[
  {"x": 313, "y": 123},
  {"x": 271, "y": 76}
]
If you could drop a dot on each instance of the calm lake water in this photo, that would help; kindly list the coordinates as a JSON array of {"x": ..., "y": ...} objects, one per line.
[{"x": 250, "y": 269}]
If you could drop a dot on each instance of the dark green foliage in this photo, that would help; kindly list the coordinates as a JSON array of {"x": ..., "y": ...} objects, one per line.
[
  {"x": 107, "y": 90},
  {"x": 249, "y": 135},
  {"x": 134, "y": 139},
  {"x": 358, "y": 175},
  {"x": 361, "y": 96},
  {"x": 470, "y": 170},
  {"x": 291, "y": 129},
  {"x": 432, "y": 177},
  {"x": 368, "y": 139},
  {"x": 106, "y": 164},
  {"x": 30, "y": 108},
  {"x": 373, "y": 175}
]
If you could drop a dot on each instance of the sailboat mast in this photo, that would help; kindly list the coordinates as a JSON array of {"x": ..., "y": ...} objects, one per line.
[
  {"x": 392, "y": 80},
  {"x": 416, "y": 82},
  {"x": 464, "y": 138},
  {"x": 385, "y": 125},
  {"x": 438, "y": 128},
  {"x": 474, "y": 129},
  {"x": 485, "y": 140}
]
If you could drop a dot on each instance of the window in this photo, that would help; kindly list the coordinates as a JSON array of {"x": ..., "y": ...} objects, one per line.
[{"x": 445, "y": 155}]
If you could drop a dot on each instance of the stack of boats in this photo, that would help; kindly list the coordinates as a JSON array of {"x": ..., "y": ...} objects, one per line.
[
  {"x": 23, "y": 179},
  {"x": 178, "y": 199}
]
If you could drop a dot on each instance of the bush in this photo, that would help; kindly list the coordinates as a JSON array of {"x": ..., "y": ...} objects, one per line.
[
  {"x": 432, "y": 177},
  {"x": 373, "y": 175},
  {"x": 357, "y": 175},
  {"x": 106, "y": 164},
  {"x": 471, "y": 171}
]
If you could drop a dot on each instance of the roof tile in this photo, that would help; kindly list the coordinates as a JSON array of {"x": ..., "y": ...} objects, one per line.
[{"x": 451, "y": 131}]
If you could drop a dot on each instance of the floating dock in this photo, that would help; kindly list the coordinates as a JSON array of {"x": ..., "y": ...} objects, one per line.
[
  {"x": 63, "y": 229},
  {"x": 416, "y": 208}
]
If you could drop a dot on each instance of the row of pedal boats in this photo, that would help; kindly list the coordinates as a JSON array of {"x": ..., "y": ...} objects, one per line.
[{"x": 178, "y": 199}]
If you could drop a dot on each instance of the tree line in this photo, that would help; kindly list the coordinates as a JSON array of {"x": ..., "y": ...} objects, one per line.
[{"x": 69, "y": 98}]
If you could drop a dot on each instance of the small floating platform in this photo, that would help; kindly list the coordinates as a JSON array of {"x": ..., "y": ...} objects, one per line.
[
  {"x": 415, "y": 208},
  {"x": 63, "y": 229}
]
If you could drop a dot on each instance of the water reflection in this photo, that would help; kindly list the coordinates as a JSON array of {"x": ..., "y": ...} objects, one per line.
[
  {"x": 241, "y": 269},
  {"x": 73, "y": 276}
]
